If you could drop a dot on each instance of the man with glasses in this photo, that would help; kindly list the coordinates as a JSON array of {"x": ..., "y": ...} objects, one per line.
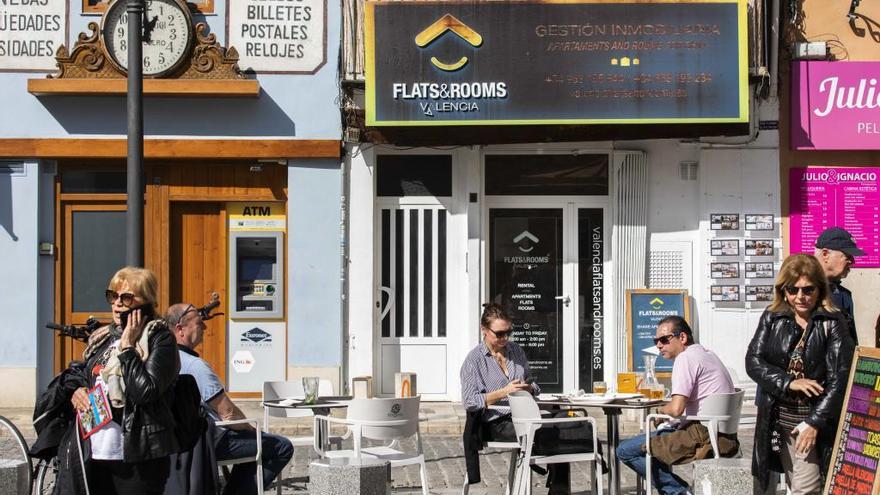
[
  {"x": 697, "y": 373},
  {"x": 836, "y": 251},
  {"x": 237, "y": 441}
]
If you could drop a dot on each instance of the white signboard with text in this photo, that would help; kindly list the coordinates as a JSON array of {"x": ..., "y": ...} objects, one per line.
[
  {"x": 30, "y": 33},
  {"x": 278, "y": 36}
]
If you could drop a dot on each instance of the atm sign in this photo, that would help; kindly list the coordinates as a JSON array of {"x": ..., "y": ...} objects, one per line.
[{"x": 257, "y": 216}]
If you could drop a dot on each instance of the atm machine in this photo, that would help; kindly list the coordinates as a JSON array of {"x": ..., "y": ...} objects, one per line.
[{"x": 257, "y": 329}]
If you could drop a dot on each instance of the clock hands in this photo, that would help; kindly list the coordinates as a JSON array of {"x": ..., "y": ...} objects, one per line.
[{"x": 149, "y": 25}]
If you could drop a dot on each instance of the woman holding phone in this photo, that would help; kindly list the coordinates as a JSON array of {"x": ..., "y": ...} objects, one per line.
[
  {"x": 134, "y": 361},
  {"x": 496, "y": 368},
  {"x": 800, "y": 358}
]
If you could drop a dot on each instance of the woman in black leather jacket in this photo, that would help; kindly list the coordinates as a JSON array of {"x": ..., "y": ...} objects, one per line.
[
  {"x": 135, "y": 360},
  {"x": 800, "y": 357}
]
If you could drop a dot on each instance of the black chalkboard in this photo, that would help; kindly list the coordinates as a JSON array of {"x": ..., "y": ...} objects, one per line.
[{"x": 853, "y": 469}]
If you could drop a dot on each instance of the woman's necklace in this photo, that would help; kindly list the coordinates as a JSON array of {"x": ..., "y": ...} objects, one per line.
[{"x": 501, "y": 359}]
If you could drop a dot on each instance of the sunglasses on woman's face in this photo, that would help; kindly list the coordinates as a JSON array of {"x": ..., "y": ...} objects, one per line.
[
  {"x": 793, "y": 291},
  {"x": 501, "y": 334},
  {"x": 127, "y": 298}
]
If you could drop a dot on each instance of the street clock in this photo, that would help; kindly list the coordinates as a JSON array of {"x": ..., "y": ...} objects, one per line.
[{"x": 167, "y": 40}]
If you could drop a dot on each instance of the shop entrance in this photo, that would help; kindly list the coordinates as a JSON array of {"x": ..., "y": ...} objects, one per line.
[
  {"x": 545, "y": 264},
  {"x": 411, "y": 303},
  {"x": 198, "y": 269}
]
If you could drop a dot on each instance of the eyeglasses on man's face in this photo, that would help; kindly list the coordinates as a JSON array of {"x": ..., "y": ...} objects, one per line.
[
  {"x": 127, "y": 298},
  {"x": 665, "y": 339},
  {"x": 791, "y": 290}
]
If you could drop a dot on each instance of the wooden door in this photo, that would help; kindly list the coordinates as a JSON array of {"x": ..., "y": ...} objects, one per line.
[
  {"x": 198, "y": 268},
  {"x": 92, "y": 241}
]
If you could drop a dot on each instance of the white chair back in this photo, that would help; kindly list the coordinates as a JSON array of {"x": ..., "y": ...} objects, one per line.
[
  {"x": 724, "y": 405},
  {"x": 523, "y": 406},
  {"x": 385, "y": 410},
  {"x": 292, "y": 389}
]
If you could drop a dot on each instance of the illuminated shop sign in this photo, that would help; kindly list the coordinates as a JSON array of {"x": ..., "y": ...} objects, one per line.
[
  {"x": 835, "y": 105},
  {"x": 556, "y": 63}
]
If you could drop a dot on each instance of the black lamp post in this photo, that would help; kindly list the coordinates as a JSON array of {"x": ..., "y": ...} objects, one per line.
[{"x": 134, "y": 225}]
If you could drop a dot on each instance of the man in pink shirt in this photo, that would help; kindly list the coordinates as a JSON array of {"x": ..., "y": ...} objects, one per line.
[{"x": 696, "y": 374}]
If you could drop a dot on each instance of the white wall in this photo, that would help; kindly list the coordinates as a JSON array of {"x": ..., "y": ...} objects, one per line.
[{"x": 732, "y": 179}]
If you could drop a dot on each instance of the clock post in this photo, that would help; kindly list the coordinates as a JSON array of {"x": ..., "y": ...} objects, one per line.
[{"x": 134, "y": 252}]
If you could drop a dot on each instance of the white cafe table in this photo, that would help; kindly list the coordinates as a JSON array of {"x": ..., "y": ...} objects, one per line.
[
  {"x": 612, "y": 412},
  {"x": 321, "y": 407}
]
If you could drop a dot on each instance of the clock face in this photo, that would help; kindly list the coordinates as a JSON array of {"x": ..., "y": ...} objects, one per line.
[{"x": 168, "y": 30}]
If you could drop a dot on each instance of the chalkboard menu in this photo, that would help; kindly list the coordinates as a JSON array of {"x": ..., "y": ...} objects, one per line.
[
  {"x": 644, "y": 310},
  {"x": 853, "y": 469}
]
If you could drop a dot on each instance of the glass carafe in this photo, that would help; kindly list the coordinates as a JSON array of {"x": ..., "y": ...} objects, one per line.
[{"x": 649, "y": 382}]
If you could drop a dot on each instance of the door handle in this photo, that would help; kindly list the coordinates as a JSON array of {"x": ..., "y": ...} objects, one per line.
[
  {"x": 384, "y": 311},
  {"x": 565, "y": 299}
]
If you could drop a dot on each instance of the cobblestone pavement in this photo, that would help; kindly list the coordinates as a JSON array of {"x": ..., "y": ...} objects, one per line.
[{"x": 443, "y": 453}]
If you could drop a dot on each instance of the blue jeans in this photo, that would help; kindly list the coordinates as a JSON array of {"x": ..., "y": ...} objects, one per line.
[
  {"x": 630, "y": 453},
  {"x": 235, "y": 444}
]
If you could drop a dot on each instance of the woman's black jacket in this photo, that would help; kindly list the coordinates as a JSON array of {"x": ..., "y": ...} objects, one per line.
[
  {"x": 148, "y": 421},
  {"x": 827, "y": 360}
]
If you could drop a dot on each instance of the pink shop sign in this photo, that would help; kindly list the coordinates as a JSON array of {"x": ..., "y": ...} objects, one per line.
[
  {"x": 846, "y": 197},
  {"x": 835, "y": 105}
]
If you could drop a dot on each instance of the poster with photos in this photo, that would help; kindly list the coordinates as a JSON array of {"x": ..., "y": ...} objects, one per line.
[
  {"x": 760, "y": 270},
  {"x": 761, "y": 293},
  {"x": 724, "y": 221},
  {"x": 724, "y": 247},
  {"x": 724, "y": 293},
  {"x": 759, "y": 222},
  {"x": 759, "y": 247},
  {"x": 724, "y": 270}
]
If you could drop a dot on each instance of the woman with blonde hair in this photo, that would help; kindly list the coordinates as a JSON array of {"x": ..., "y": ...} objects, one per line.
[
  {"x": 800, "y": 358},
  {"x": 135, "y": 361}
]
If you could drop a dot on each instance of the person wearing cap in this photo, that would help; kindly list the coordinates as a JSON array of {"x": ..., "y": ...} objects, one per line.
[{"x": 836, "y": 251}]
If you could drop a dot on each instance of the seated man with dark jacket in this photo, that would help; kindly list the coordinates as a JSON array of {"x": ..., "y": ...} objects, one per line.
[{"x": 236, "y": 441}]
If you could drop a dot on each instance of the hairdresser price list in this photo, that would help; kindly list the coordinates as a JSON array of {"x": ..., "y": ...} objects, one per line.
[
  {"x": 854, "y": 468},
  {"x": 836, "y": 197}
]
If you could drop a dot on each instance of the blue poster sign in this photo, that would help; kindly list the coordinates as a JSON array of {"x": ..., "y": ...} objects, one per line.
[
  {"x": 556, "y": 62},
  {"x": 645, "y": 309}
]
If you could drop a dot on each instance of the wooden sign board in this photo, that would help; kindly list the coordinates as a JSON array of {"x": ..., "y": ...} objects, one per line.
[
  {"x": 853, "y": 469},
  {"x": 644, "y": 309}
]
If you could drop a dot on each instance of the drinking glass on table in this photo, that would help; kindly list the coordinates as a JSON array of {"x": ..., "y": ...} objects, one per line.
[
  {"x": 310, "y": 389},
  {"x": 658, "y": 391},
  {"x": 600, "y": 388}
]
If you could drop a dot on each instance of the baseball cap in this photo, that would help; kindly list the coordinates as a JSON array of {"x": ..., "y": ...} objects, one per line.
[{"x": 839, "y": 240}]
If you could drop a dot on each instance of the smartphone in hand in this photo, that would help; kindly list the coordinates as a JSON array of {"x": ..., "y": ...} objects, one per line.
[{"x": 147, "y": 311}]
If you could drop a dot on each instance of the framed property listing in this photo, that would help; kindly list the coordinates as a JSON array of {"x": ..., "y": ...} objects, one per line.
[
  {"x": 724, "y": 247},
  {"x": 724, "y": 293},
  {"x": 759, "y": 222},
  {"x": 761, "y": 293},
  {"x": 759, "y": 247},
  {"x": 760, "y": 270},
  {"x": 724, "y": 270},
  {"x": 724, "y": 221}
]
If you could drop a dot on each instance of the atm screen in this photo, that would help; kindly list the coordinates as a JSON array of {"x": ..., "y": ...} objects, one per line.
[{"x": 256, "y": 269}]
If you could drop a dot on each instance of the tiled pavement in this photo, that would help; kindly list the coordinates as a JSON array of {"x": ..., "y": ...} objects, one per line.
[{"x": 441, "y": 426}]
